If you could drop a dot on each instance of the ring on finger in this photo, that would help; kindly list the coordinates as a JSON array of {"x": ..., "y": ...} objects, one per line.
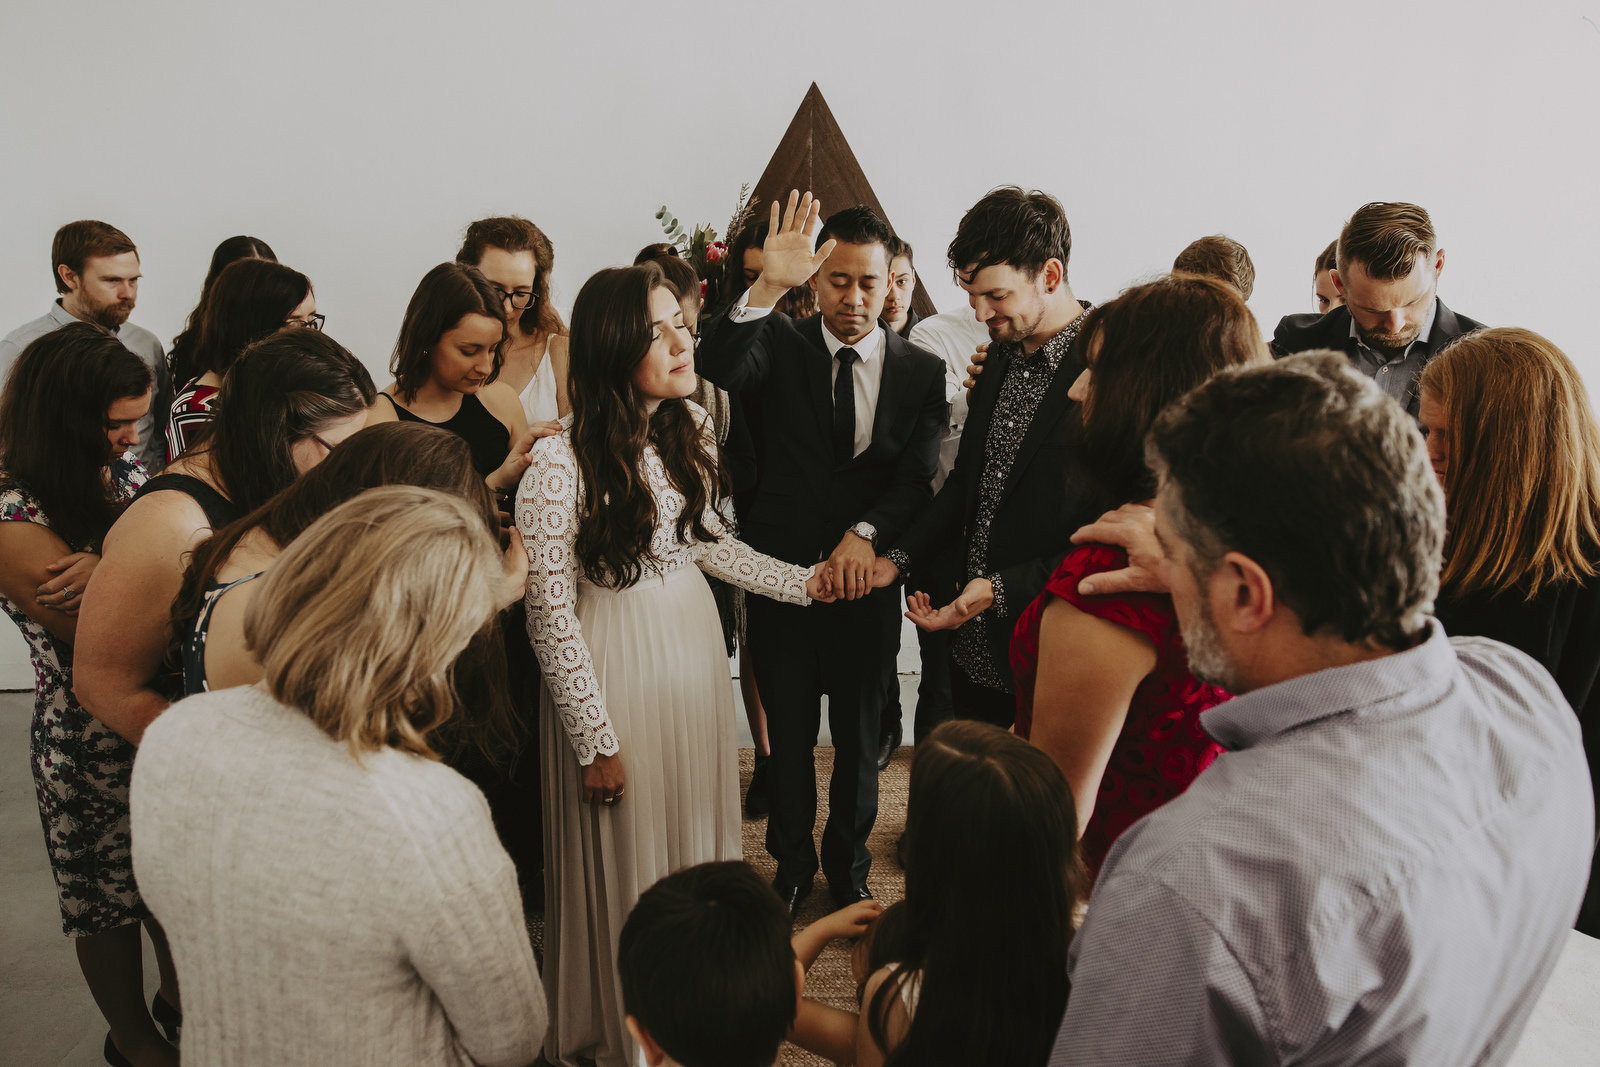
[{"x": 69, "y": 593}]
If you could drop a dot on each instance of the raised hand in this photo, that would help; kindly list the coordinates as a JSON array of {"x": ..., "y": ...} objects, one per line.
[
  {"x": 975, "y": 368},
  {"x": 786, "y": 256},
  {"x": 1132, "y": 528}
]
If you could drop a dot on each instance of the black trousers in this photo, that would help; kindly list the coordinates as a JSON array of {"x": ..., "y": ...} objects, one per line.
[
  {"x": 835, "y": 650},
  {"x": 973, "y": 700},
  {"x": 934, "y": 704}
]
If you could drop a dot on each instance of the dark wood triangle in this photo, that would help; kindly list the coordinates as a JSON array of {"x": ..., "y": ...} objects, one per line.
[{"x": 814, "y": 155}]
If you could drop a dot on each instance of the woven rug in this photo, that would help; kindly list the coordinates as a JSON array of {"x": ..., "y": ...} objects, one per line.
[{"x": 830, "y": 979}]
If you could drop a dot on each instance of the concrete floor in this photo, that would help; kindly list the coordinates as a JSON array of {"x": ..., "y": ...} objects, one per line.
[{"x": 46, "y": 1014}]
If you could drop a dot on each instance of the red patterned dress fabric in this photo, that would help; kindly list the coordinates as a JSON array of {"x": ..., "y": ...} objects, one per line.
[{"x": 1162, "y": 747}]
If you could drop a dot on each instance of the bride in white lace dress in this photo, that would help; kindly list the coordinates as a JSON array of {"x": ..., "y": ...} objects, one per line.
[{"x": 637, "y": 720}]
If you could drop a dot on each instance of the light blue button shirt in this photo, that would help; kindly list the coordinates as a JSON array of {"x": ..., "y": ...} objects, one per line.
[{"x": 1382, "y": 869}]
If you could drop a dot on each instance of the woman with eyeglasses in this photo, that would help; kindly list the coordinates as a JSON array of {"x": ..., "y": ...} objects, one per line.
[
  {"x": 250, "y": 299},
  {"x": 446, "y": 368},
  {"x": 283, "y": 406},
  {"x": 516, "y": 257}
]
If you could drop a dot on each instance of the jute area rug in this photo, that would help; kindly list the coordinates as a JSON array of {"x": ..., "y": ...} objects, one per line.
[{"x": 830, "y": 979}]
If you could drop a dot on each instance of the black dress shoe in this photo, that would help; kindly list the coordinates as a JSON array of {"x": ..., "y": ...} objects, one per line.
[
  {"x": 791, "y": 895},
  {"x": 888, "y": 741},
  {"x": 849, "y": 896},
  {"x": 167, "y": 1017},
  {"x": 756, "y": 801}
]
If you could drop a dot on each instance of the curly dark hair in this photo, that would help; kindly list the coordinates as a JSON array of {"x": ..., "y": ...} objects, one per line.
[
  {"x": 612, "y": 427},
  {"x": 1024, "y": 228}
]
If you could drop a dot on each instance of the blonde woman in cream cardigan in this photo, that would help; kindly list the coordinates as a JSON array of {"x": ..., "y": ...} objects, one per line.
[{"x": 332, "y": 892}]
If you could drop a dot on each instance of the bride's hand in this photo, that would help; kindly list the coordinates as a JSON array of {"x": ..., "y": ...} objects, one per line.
[
  {"x": 603, "y": 780},
  {"x": 819, "y": 586}
]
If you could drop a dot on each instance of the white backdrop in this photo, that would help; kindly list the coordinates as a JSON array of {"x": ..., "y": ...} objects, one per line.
[{"x": 359, "y": 138}]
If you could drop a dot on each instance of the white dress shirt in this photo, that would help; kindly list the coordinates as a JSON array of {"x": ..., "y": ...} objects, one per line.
[{"x": 866, "y": 374}]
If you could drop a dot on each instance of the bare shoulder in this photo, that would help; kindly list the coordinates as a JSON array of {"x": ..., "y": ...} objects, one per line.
[
  {"x": 163, "y": 522},
  {"x": 502, "y": 402}
]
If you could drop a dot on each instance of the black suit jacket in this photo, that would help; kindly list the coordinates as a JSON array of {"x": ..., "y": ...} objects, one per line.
[
  {"x": 1045, "y": 498},
  {"x": 1303, "y": 333},
  {"x": 804, "y": 503}
]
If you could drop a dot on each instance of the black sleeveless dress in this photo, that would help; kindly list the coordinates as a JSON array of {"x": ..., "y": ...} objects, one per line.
[
  {"x": 219, "y": 509},
  {"x": 487, "y": 438}
]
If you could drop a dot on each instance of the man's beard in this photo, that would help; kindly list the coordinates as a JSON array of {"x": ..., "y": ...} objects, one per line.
[
  {"x": 1393, "y": 341},
  {"x": 1022, "y": 334},
  {"x": 1207, "y": 661},
  {"x": 112, "y": 315}
]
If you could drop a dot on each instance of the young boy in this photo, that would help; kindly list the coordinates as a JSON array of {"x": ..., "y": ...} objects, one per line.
[{"x": 709, "y": 976}]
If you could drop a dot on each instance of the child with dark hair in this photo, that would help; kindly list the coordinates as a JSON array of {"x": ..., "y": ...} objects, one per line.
[{"x": 709, "y": 977}]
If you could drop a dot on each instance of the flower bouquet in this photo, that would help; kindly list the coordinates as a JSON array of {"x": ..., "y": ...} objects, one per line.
[{"x": 700, "y": 247}]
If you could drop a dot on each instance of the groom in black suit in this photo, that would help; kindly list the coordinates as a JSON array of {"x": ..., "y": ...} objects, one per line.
[
  {"x": 1392, "y": 322},
  {"x": 852, "y": 415}
]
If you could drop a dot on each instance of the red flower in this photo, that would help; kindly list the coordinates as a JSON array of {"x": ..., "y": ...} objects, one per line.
[
  {"x": 702, "y": 291},
  {"x": 715, "y": 251}
]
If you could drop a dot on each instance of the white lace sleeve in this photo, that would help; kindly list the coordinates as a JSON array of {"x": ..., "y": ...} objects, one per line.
[
  {"x": 737, "y": 563},
  {"x": 547, "y": 517}
]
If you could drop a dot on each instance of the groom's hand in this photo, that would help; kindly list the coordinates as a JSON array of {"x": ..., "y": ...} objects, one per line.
[{"x": 786, "y": 256}]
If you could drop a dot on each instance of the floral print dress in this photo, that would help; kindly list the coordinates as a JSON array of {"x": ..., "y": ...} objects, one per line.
[{"x": 81, "y": 767}]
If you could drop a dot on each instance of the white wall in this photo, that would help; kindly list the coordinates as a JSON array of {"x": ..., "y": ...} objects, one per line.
[{"x": 359, "y": 138}]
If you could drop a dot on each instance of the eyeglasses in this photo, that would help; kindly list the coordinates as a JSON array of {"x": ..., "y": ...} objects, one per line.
[
  {"x": 312, "y": 321},
  {"x": 318, "y": 439},
  {"x": 522, "y": 299}
]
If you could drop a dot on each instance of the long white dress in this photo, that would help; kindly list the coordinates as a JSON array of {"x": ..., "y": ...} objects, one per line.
[{"x": 643, "y": 672}]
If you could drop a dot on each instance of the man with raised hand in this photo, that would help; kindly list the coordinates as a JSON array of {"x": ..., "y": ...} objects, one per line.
[{"x": 852, "y": 416}]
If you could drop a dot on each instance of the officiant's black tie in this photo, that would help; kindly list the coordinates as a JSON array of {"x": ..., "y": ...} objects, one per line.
[{"x": 844, "y": 408}]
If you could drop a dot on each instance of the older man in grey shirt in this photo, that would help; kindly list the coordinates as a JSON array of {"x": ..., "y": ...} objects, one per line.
[{"x": 1384, "y": 865}]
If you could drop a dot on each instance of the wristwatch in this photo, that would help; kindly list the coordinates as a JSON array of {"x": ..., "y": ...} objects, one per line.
[{"x": 867, "y": 532}]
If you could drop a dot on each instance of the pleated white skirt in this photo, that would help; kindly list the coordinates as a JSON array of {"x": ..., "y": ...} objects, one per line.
[{"x": 659, "y": 658}]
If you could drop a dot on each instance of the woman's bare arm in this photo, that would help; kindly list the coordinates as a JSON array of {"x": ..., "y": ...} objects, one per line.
[{"x": 1088, "y": 671}]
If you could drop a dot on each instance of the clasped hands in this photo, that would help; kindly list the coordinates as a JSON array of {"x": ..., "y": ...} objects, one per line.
[
  {"x": 976, "y": 597},
  {"x": 63, "y": 593}
]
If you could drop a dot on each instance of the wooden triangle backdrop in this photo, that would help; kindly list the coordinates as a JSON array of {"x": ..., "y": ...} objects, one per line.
[{"x": 814, "y": 155}]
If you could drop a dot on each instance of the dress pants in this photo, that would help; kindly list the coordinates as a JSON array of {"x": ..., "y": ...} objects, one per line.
[
  {"x": 973, "y": 700},
  {"x": 935, "y": 704},
  {"x": 803, "y": 653}
]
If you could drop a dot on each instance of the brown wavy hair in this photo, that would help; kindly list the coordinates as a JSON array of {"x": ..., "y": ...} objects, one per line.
[
  {"x": 1151, "y": 345},
  {"x": 1522, "y": 488},
  {"x": 512, "y": 233},
  {"x": 612, "y": 427}
]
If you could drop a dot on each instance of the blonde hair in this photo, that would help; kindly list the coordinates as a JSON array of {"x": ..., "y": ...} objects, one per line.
[
  {"x": 1523, "y": 481},
  {"x": 360, "y": 620}
]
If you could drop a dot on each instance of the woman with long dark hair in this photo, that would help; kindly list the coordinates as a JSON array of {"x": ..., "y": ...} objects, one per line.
[
  {"x": 284, "y": 404},
  {"x": 67, "y": 422},
  {"x": 1516, "y": 448},
  {"x": 641, "y": 772},
  {"x": 992, "y": 878},
  {"x": 231, "y": 250},
  {"x": 1103, "y": 683},
  {"x": 250, "y": 299}
]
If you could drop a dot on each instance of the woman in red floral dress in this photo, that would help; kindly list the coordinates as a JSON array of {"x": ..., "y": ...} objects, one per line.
[{"x": 1103, "y": 682}]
